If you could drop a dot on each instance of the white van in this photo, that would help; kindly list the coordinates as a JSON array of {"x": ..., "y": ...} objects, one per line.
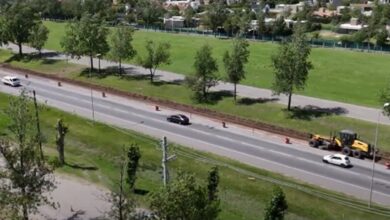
[{"x": 11, "y": 81}]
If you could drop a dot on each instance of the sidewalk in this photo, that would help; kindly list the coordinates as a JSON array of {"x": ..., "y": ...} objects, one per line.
[{"x": 344, "y": 109}]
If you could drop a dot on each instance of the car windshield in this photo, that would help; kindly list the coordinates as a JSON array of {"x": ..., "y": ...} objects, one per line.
[{"x": 14, "y": 79}]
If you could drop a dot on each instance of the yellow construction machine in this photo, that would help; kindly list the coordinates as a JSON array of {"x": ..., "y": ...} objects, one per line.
[{"x": 347, "y": 142}]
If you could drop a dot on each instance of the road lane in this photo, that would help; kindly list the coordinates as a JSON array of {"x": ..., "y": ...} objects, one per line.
[{"x": 358, "y": 176}]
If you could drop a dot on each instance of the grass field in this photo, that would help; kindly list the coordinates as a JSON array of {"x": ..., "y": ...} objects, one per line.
[
  {"x": 98, "y": 146},
  {"x": 260, "y": 110},
  {"x": 347, "y": 76}
]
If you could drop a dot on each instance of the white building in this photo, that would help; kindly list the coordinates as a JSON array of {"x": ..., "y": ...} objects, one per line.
[
  {"x": 352, "y": 26},
  {"x": 174, "y": 22}
]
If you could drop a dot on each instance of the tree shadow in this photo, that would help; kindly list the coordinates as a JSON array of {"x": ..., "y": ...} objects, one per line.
[
  {"x": 26, "y": 58},
  {"x": 251, "y": 101},
  {"x": 49, "y": 61},
  {"x": 49, "y": 54},
  {"x": 76, "y": 215},
  {"x": 137, "y": 77},
  {"x": 310, "y": 112},
  {"x": 216, "y": 96},
  {"x": 177, "y": 82},
  {"x": 141, "y": 192},
  {"x": 150, "y": 166},
  {"x": 80, "y": 166},
  {"x": 86, "y": 72}
]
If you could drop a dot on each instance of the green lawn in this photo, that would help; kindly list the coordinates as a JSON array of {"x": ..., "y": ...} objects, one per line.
[
  {"x": 98, "y": 146},
  {"x": 347, "y": 76},
  {"x": 35, "y": 63}
]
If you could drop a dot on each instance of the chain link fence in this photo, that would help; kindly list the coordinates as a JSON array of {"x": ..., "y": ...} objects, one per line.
[{"x": 363, "y": 47}]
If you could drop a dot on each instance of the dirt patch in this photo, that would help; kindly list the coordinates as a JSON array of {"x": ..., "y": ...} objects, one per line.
[{"x": 77, "y": 199}]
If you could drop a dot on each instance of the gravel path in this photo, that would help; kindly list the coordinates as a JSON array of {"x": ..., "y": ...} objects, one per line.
[{"x": 77, "y": 199}]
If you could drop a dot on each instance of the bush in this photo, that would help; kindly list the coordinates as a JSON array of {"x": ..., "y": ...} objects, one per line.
[
  {"x": 54, "y": 162},
  {"x": 381, "y": 37},
  {"x": 346, "y": 39}
]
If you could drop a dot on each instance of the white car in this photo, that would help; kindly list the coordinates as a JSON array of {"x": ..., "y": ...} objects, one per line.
[
  {"x": 337, "y": 159},
  {"x": 11, "y": 81}
]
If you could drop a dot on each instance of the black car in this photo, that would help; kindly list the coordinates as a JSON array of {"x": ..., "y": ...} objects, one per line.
[{"x": 179, "y": 119}]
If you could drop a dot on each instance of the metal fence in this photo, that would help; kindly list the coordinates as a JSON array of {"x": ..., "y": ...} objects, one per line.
[{"x": 363, "y": 47}]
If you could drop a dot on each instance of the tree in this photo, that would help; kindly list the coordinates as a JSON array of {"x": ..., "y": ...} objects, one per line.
[
  {"x": 235, "y": 61},
  {"x": 26, "y": 178},
  {"x": 279, "y": 27},
  {"x": 47, "y": 8},
  {"x": 277, "y": 207},
  {"x": 149, "y": 11},
  {"x": 86, "y": 37},
  {"x": 189, "y": 13},
  {"x": 212, "y": 186},
  {"x": 121, "y": 47},
  {"x": 133, "y": 156},
  {"x": 62, "y": 130},
  {"x": 38, "y": 37},
  {"x": 291, "y": 65},
  {"x": 381, "y": 37},
  {"x": 237, "y": 24},
  {"x": 3, "y": 31},
  {"x": 216, "y": 16},
  {"x": 360, "y": 36},
  {"x": 205, "y": 67},
  {"x": 19, "y": 20},
  {"x": 97, "y": 7},
  {"x": 183, "y": 198},
  {"x": 384, "y": 97},
  {"x": 72, "y": 8},
  {"x": 262, "y": 28},
  {"x": 122, "y": 207},
  {"x": 156, "y": 54}
]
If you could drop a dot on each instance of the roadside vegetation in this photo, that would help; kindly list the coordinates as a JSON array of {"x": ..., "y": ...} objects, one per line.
[
  {"x": 341, "y": 75},
  {"x": 92, "y": 151}
]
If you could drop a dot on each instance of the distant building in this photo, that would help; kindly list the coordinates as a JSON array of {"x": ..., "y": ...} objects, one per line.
[
  {"x": 270, "y": 21},
  {"x": 352, "y": 26},
  {"x": 325, "y": 13},
  {"x": 365, "y": 9},
  {"x": 182, "y": 4},
  {"x": 335, "y": 3},
  {"x": 174, "y": 22},
  {"x": 281, "y": 9}
]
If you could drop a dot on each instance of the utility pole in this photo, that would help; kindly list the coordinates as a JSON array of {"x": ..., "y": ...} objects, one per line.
[
  {"x": 165, "y": 160},
  {"x": 38, "y": 125},
  {"x": 92, "y": 107}
]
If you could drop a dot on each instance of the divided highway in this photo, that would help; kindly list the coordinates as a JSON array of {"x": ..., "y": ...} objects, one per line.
[{"x": 237, "y": 144}]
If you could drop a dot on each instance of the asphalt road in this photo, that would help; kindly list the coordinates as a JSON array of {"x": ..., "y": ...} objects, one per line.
[{"x": 262, "y": 153}]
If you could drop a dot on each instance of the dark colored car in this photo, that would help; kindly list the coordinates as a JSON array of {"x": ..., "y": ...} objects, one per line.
[{"x": 179, "y": 119}]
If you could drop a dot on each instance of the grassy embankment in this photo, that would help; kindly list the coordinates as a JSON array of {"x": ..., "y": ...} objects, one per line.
[
  {"x": 95, "y": 148},
  {"x": 341, "y": 75},
  {"x": 269, "y": 112}
]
